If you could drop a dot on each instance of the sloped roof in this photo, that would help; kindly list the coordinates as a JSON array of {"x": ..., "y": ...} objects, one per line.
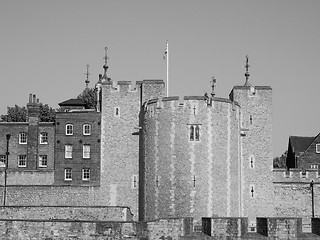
[
  {"x": 72, "y": 102},
  {"x": 300, "y": 144}
]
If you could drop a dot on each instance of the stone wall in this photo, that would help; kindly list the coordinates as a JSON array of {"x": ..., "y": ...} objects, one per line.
[
  {"x": 184, "y": 177},
  {"x": 32, "y": 177},
  {"x": 90, "y": 230},
  {"x": 256, "y": 150},
  {"x": 293, "y": 196},
  {"x": 121, "y": 103},
  {"x": 225, "y": 228},
  {"x": 280, "y": 228},
  {"x": 83, "y": 213}
]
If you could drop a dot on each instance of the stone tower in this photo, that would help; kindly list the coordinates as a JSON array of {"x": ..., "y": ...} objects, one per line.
[{"x": 256, "y": 148}]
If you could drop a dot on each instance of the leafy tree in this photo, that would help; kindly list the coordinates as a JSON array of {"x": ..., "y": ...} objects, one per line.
[
  {"x": 15, "y": 114},
  {"x": 280, "y": 162},
  {"x": 19, "y": 114},
  {"x": 89, "y": 97},
  {"x": 47, "y": 114}
]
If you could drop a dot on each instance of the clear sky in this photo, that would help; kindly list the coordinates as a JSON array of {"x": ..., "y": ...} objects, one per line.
[{"x": 45, "y": 46}]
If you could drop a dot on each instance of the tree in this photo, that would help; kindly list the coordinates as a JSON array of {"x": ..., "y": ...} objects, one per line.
[
  {"x": 15, "y": 114},
  {"x": 19, "y": 114},
  {"x": 280, "y": 162},
  {"x": 89, "y": 97},
  {"x": 47, "y": 114}
]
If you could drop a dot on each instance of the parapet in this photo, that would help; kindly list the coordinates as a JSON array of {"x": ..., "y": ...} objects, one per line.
[
  {"x": 176, "y": 102},
  {"x": 295, "y": 175},
  {"x": 131, "y": 86}
]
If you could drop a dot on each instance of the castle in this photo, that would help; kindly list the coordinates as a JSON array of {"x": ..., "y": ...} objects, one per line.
[{"x": 160, "y": 156}]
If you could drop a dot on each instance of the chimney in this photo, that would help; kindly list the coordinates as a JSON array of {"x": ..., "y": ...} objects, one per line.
[{"x": 33, "y": 131}]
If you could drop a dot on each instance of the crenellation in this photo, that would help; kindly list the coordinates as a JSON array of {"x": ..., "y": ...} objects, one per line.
[{"x": 296, "y": 175}]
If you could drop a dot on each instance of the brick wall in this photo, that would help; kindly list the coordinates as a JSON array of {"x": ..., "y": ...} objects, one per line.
[{"x": 77, "y": 163}]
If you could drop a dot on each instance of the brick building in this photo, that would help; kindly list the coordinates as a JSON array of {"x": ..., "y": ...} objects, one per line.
[
  {"x": 77, "y": 148},
  {"x": 31, "y": 147},
  {"x": 303, "y": 152}
]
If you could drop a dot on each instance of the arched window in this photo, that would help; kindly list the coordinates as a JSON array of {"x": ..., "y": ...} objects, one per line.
[
  {"x": 86, "y": 129},
  {"x": 197, "y": 133},
  {"x": 69, "y": 129},
  {"x": 191, "y": 133}
]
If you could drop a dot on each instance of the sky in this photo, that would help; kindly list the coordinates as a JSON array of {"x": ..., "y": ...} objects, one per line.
[{"x": 46, "y": 45}]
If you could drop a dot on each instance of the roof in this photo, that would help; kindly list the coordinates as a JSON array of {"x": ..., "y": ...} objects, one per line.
[
  {"x": 300, "y": 144},
  {"x": 72, "y": 102}
]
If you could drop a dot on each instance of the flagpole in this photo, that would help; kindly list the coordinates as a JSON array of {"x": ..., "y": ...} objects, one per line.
[{"x": 167, "y": 69}]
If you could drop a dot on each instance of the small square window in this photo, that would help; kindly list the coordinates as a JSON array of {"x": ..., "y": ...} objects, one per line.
[
  {"x": 86, "y": 174},
  {"x": 23, "y": 138},
  {"x": 43, "y": 161},
  {"x": 44, "y": 138},
  {"x": 68, "y": 151},
  {"x": 22, "y": 161},
  {"x": 86, "y": 129},
  {"x": 3, "y": 160},
  {"x": 318, "y": 148},
  {"x": 68, "y": 174},
  {"x": 86, "y": 151},
  {"x": 69, "y": 129}
]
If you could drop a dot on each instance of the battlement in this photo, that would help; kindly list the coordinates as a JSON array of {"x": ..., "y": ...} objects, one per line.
[
  {"x": 282, "y": 175},
  {"x": 130, "y": 86},
  {"x": 180, "y": 100}
]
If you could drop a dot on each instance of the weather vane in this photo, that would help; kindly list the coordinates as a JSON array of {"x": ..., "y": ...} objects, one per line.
[
  {"x": 87, "y": 74},
  {"x": 213, "y": 85},
  {"x": 247, "y": 74},
  {"x": 105, "y": 66},
  {"x": 106, "y": 56}
]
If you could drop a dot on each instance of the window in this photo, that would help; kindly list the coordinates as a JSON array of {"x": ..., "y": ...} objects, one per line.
[
  {"x": 134, "y": 181},
  {"x": 86, "y": 129},
  {"x": 68, "y": 151},
  {"x": 86, "y": 151},
  {"x": 117, "y": 112},
  {"x": 318, "y": 148},
  {"x": 86, "y": 174},
  {"x": 251, "y": 163},
  {"x": 3, "y": 160},
  {"x": 68, "y": 174},
  {"x": 44, "y": 138},
  {"x": 22, "y": 160},
  {"x": 252, "y": 191},
  {"x": 69, "y": 129},
  {"x": 43, "y": 160},
  {"x": 23, "y": 138},
  {"x": 314, "y": 166},
  {"x": 194, "y": 133}
]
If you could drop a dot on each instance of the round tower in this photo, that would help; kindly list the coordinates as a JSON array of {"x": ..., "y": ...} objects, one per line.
[{"x": 192, "y": 157}]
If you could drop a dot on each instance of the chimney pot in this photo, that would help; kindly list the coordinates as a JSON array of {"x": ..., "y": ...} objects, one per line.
[
  {"x": 30, "y": 98},
  {"x": 34, "y": 98}
]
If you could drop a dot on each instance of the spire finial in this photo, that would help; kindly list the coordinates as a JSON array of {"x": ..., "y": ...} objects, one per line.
[
  {"x": 87, "y": 74},
  {"x": 213, "y": 85},
  {"x": 105, "y": 66},
  {"x": 247, "y": 74}
]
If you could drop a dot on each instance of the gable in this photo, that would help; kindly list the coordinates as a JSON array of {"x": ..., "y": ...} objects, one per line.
[{"x": 300, "y": 144}]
